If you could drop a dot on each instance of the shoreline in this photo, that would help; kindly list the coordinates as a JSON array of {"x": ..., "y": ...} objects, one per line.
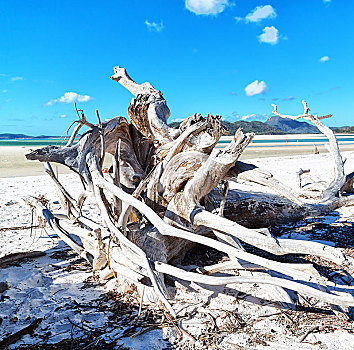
[
  {"x": 14, "y": 164},
  {"x": 291, "y": 136}
]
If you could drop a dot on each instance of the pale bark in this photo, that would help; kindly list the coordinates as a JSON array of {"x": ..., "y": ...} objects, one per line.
[
  {"x": 164, "y": 201},
  {"x": 338, "y": 181}
]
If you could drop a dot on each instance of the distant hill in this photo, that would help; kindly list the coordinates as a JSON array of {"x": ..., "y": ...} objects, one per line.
[
  {"x": 273, "y": 126},
  {"x": 13, "y": 136},
  {"x": 174, "y": 124},
  {"x": 290, "y": 126},
  {"x": 24, "y": 137},
  {"x": 256, "y": 127},
  {"x": 344, "y": 130}
]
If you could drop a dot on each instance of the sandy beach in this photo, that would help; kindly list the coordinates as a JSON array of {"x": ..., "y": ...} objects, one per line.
[
  {"x": 173, "y": 223},
  {"x": 14, "y": 163},
  {"x": 61, "y": 290}
]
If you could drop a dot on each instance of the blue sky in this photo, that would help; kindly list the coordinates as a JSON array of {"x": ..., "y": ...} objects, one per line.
[{"x": 232, "y": 58}]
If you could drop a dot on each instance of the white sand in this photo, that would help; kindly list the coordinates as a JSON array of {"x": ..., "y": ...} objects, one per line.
[
  {"x": 45, "y": 288},
  {"x": 13, "y": 162}
]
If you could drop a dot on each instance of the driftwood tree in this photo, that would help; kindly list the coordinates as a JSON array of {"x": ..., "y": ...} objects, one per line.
[{"x": 169, "y": 190}]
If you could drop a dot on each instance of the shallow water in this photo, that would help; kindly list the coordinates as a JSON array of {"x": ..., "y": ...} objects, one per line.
[
  {"x": 33, "y": 142},
  {"x": 265, "y": 142},
  {"x": 14, "y": 163},
  {"x": 318, "y": 140}
]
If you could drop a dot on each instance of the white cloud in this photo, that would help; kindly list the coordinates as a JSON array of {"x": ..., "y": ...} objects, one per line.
[
  {"x": 63, "y": 116},
  {"x": 327, "y": 1},
  {"x": 4, "y": 91},
  {"x": 253, "y": 117},
  {"x": 269, "y": 36},
  {"x": 70, "y": 97},
  {"x": 256, "y": 88},
  {"x": 17, "y": 78},
  {"x": 153, "y": 26},
  {"x": 324, "y": 59},
  {"x": 248, "y": 116},
  {"x": 289, "y": 98},
  {"x": 206, "y": 7},
  {"x": 261, "y": 12},
  {"x": 177, "y": 119}
]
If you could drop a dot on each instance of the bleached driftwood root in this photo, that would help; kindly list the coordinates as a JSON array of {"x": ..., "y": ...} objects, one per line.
[
  {"x": 339, "y": 177},
  {"x": 160, "y": 200}
]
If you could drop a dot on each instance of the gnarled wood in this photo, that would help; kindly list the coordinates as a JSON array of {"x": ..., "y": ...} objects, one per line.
[
  {"x": 163, "y": 199},
  {"x": 339, "y": 177}
]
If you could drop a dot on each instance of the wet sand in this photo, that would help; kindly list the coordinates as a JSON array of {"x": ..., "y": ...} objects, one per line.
[{"x": 13, "y": 163}]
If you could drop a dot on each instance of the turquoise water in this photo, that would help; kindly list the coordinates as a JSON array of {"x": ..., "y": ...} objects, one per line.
[
  {"x": 33, "y": 142},
  {"x": 60, "y": 141},
  {"x": 317, "y": 140}
]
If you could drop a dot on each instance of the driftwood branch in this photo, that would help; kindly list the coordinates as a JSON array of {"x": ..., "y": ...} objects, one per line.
[
  {"x": 117, "y": 203},
  {"x": 13, "y": 338},
  {"x": 339, "y": 177},
  {"x": 16, "y": 257},
  {"x": 161, "y": 200}
]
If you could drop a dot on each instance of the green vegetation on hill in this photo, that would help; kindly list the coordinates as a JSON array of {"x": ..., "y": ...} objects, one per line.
[
  {"x": 256, "y": 127},
  {"x": 280, "y": 127},
  {"x": 344, "y": 130},
  {"x": 290, "y": 126},
  {"x": 174, "y": 124}
]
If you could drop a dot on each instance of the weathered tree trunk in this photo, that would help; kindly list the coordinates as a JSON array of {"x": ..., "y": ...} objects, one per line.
[{"x": 162, "y": 200}]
